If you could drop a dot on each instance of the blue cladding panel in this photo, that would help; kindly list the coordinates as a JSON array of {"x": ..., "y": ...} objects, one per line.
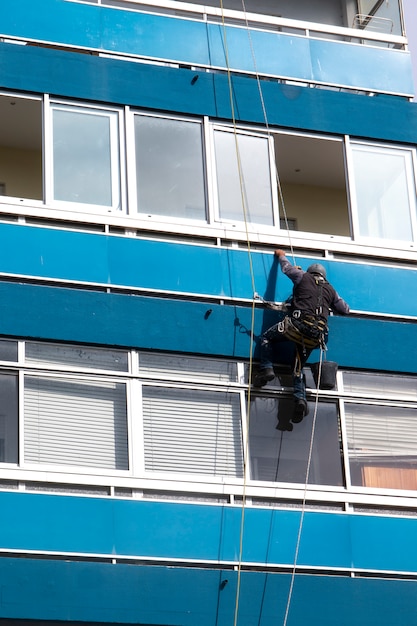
[
  {"x": 267, "y": 53},
  {"x": 207, "y": 533},
  {"x": 83, "y": 76},
  {"x": 199, "y": 43},
  {"x": 345, "y": 64},
  {"x": 179, "y": 326},
  {"x": 176, "y": 596},
  {"x": 154, "y": 36},
  {"x": 178, "y": 268}
]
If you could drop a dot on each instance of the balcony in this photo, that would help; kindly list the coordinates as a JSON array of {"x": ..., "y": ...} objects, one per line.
[{"x": 357, "y": 51}]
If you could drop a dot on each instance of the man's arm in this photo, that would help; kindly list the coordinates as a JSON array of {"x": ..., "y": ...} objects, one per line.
[
  {"x": 339, "y": 305},
  {"x": 294, "y": 273}
]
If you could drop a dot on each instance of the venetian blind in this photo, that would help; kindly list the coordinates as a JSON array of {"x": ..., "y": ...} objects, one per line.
[
  {"x": 192, "y": 431},
  {"x": 73, "y": 422},
  {"x": 381, "y": 430}
]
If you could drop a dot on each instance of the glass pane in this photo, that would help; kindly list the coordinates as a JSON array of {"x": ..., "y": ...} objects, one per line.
[
  {"x": 384, "y": 203},
  {"x": 385, "y": 17},
  {"x": 389, "y": 386},
  {"x": 8, "y": 419},
  {"x": 192, "y": 431},
  {"x": 382, "y": 444},
  {"x": 78, "y": 356},
  {"x": 8, "y": 350},
  {"x": 248, "y": 191},
  {"x": 82, "y": 157},
  {"x": 282, "y": 456},
  {"x": 187, "y": 367},
  {"x": 169, "y": 167}
]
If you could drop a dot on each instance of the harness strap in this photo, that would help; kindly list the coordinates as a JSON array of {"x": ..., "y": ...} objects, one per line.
[{"x": 294, "y": 332}]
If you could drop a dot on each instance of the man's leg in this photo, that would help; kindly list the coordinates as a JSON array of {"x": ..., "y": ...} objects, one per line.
[
  {"x": 299, "y": 383},
  {"x": 266, "y": 371}
]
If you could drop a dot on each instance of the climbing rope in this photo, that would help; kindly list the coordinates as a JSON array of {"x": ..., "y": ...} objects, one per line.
[
  {"x": 262, "y": 100},
  {"x": 252, "y": 329},
  {"x": 300, "y": 527},
  {"x": 250, "y": 372}
]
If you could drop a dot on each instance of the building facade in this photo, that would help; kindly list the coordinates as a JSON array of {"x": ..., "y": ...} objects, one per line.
[{"x": 153, "y": 155}]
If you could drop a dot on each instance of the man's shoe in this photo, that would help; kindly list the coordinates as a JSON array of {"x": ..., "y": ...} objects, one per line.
[
  {"x": 263, "y": 376},
  {"x": 284, "y": 425},
  {"x": 300, "y": 411}
]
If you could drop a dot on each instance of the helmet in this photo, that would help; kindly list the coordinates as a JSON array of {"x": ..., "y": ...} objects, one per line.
[{"x": 316, "y": 268}]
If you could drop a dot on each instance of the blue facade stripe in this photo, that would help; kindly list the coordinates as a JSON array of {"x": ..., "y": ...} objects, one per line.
[
  {"x": 151, "y": 323},
  {"x": 175, "y": 268},
  {"x": 176, "y": 596},
  {"x": 198, "y": 43},
  {"x": 206, "y": 533},
  {"x": 82, "y": 76}
]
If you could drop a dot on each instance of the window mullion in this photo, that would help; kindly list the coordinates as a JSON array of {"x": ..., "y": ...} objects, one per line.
[
  {"x": 351, "y": 189},
  {"x": 21, "y": 412},
  {"x": 47, "y": 151},
  {"x": 132, "y": 197},
  {"x": 135, "y": 429}
]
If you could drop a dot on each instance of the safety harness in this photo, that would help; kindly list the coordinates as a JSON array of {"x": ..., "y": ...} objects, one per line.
[{"x": 306, "y": 331}]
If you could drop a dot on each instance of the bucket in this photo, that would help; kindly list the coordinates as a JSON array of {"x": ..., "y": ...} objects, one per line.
[{"x": 327, "y": 375}]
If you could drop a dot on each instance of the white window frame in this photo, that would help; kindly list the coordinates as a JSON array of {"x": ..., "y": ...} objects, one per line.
[
  {"x": 157, "y": 373},
  {"x": 131, "y": 113},
  {"x": 195, "y": 477},
  {"x": 117, "y": 157},
  {"x": 86, "y": 377},
  {"x": 240, "y": 224},
  {"x": 411, "y": 177}
]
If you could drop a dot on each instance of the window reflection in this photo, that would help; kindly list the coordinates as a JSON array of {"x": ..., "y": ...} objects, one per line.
[
  {"x": 8, "y": 419},
  {"x": 243, "y": 178},
  {"x": 283, "y": 456},
  {"x": 84, "y": 158},
  {"x": 383, "y": 180},
  {"x": 382, "y": 443},
  {"x": 169, "y": 167}
]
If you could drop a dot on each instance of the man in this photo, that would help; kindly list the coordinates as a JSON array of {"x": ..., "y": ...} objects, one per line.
[{"x": 305, "y": 325}]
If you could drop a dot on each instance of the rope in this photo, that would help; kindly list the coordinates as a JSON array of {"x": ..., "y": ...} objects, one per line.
[
  {"x": 300, "y": 528},
  {"x": 244, "y": 206},
  {"x": 261, "y": 97},
  {"x": 282, "y": 202}
]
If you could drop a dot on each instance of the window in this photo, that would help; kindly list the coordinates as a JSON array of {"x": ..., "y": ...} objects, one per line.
[
  {"x": 200, "y": 173},
  {"x": 9, "y": 442},
  {"x": 192, "y": 431},
  {"x": 169, "y": 167},
  {"x": 382, "y": 446},
  {"x": 75, "y": 419},
  {"x": 385, "y": 192},
  {"x": 283, "y": 457},
  {"x": 78, "y": 420},
  {"x": 382, "y": 436},
  {"x": 168, "y": 417},
  {"x": 86, "y": 163},
  {"x": 380, "y": 16},
  {"x": 243, "y": 172},
  {"x": 21, "y": 147},
  {"x": 74, "y": 422},
  {"x": 313, "y": 181}
]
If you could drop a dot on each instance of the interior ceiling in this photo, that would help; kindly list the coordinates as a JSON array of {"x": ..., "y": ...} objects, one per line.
[
  {"x": 310, "y": 161},
  {"x": 20, "y": 123}
]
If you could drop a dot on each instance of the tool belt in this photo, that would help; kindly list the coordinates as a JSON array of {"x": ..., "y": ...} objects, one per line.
[{"x": 306, "y": 330}]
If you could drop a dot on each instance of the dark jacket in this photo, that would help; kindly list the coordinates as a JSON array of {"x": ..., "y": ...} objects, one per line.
[{"x": 312, "y": 294}]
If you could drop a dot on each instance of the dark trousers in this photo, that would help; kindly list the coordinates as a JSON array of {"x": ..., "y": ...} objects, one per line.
[{"x": 270, "y": 338}]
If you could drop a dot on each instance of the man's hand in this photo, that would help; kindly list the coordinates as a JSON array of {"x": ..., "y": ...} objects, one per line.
[{"x": 279, "y": 253}]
